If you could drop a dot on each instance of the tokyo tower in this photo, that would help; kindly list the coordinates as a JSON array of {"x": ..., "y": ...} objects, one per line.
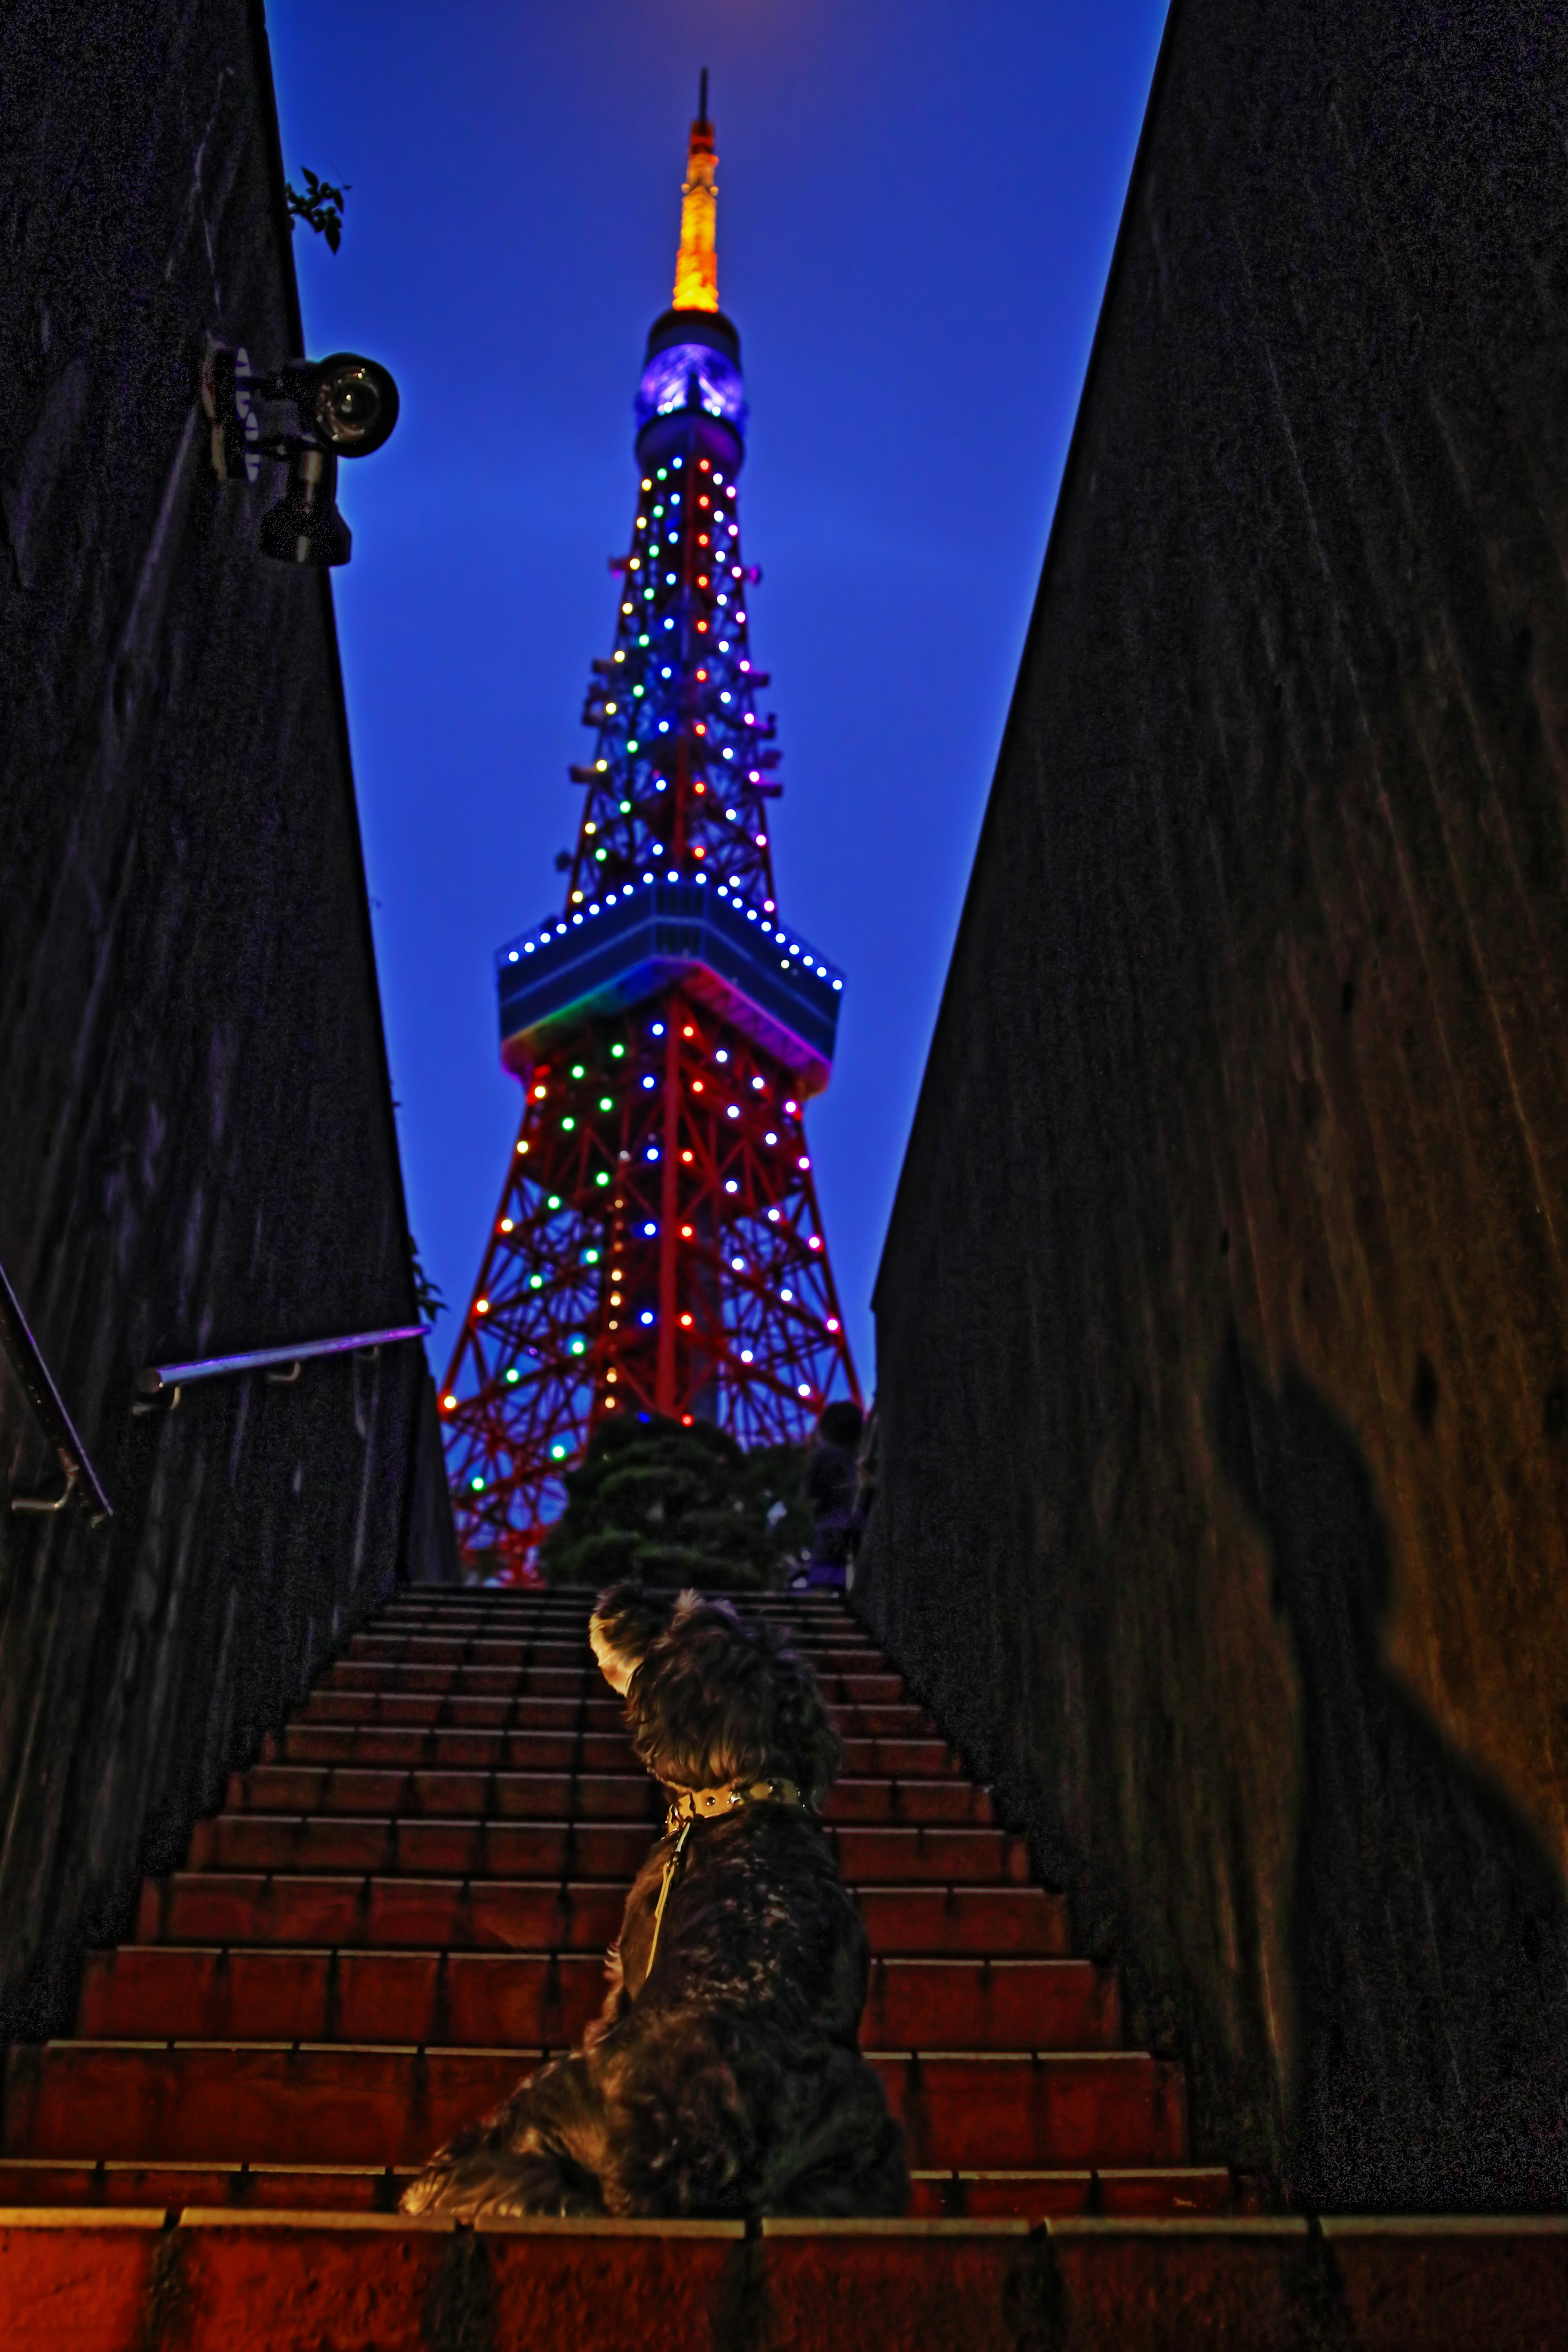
[{"x": 657, "y": 1246}]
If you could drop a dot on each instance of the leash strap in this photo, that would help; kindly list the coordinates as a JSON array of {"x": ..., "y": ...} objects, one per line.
[
  {"x": 671, "y": 1865},
  {"x": 689, "y": 1805}
]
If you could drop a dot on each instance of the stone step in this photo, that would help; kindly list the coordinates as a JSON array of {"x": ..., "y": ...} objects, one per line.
[
  {"x": 407, "y": 1679},
  {"x": 811, "y": 1609},
  {"x": 315, "y": 2189},
  {"x": 543, "y": 1711},
  {"x": 375, "y": 2189},
  {"x": 1032, "y": 2196},
  {"x": 343, "y": 2103},
  {"x": 542, "y": 1915},
  {"x": 947, "y": 1853},
  {"x": 407, "y": 1901},
  {"x": 453, "y": 1748},
  {"x": 569, "y": 1645},
  {"x": 162, "y": 1992},
  {"x": 377, "y": 2283},
  {"x": 476, "y": 1653},
  {"x": 563, "y": 1795}
]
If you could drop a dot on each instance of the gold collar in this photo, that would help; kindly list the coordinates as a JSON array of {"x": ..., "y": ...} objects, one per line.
[
  {"x": 688, "y": 1805},
  {"x": 703, "y": 1804}
]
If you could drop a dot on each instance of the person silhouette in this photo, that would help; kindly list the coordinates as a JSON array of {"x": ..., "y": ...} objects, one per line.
[
  {"x": 831, "y": 1469},
  {"x": 1430, "y": 1925}
]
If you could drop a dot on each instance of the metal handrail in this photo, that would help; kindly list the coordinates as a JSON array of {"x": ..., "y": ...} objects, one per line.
[
  {"x": 26, "y": 1358},
  {"x": 154, "y": 1378}
]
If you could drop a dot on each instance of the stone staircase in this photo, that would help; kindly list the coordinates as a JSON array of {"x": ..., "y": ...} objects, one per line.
[{"x": 405, "y": 1906}]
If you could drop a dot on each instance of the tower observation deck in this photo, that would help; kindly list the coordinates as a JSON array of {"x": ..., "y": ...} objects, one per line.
[{"x": 657, "y": 1246}]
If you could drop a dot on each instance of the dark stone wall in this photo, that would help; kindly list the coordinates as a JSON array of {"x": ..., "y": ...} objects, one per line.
[
  {"x": 196, "y": 1143},
  {"x": 1223, "y": 1355}
]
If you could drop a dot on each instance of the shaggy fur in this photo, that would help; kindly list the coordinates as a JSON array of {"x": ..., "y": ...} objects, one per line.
[{"x": 727, "y": 2081}]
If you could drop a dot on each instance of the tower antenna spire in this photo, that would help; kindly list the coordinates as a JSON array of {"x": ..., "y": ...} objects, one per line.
[{"x": 697, "y": 263}]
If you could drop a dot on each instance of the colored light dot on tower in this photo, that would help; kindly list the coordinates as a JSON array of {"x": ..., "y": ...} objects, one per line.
[{"x": 672, "y": 963}]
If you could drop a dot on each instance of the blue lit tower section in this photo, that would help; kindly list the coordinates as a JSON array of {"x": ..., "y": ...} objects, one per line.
[{"x": 657, "y": 1246}]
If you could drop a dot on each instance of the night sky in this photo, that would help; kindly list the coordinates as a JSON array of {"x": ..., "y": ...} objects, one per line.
[{"x": 918, "y": 201}]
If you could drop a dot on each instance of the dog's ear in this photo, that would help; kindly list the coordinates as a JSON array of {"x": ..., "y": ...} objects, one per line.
[
  {"x": 708, "y": 1606},
  {"x": 629, "y": 1619},
  {"x": 802, "y": 1727}
]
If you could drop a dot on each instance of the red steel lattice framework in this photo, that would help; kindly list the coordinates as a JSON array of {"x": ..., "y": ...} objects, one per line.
[{"x": 657, "y": 1246}]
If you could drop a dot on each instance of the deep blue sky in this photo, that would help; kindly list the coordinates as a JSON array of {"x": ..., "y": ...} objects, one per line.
[{"x": 918, "y": 202}]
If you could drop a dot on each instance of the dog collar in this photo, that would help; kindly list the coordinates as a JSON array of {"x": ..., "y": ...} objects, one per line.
[
  {"x": 703, "y": 1804},
  {"x": 688, "y": 1805}
]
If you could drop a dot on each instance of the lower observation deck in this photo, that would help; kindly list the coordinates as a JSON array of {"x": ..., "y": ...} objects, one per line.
[{"x": 757, "y": 973}]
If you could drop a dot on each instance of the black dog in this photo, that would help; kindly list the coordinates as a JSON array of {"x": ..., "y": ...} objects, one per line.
[{"x": 723, "y": 2078}]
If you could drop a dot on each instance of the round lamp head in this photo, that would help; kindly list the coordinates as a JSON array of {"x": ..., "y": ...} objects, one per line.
[{"x": 356, "y": 404}]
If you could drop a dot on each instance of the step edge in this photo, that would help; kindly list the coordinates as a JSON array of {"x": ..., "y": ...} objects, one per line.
[
  {"x": 1036, "y": 2172},
  {"x": 555, "y": 1825},
  {"x": 593, "y": 2225},
  {"x": 1240, "y": 2226},
  {"x": 1167, "y": 2225},
  {"x": 479, "y": 1882},
  {"x": 1162, "y": 2171},
  {"x": 266, "y": 2168},
  {"x": 88, "y": 2217},
  {"x": 532, "y": 1957},
  {"x": 1066, "y": 2225},
  {"x": 1026, "y": 2057},
  {"x": 1464, "y": 2225},
  {"x": 237, "y": 2217},
  {"x": 791, "y": 2225},
  {"x": 234, "y": 2043}
]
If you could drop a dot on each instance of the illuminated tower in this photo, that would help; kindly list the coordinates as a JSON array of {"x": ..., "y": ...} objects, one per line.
[{"x": 657, "y": 1246}]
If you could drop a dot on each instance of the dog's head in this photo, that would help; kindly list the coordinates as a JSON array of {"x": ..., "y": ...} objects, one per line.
[
  {"x": 712, "y": 1698},
  {"x": 626, "y": 1618}
]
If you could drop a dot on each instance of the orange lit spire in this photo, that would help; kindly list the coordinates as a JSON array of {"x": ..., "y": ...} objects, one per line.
[{"x": 697, "y": 263}]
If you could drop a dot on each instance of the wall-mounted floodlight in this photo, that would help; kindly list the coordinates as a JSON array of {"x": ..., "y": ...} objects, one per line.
[{"x": 344, "y": 406}]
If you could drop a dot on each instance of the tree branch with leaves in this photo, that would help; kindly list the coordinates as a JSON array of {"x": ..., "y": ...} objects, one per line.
[{"x": 319, "y": 205}]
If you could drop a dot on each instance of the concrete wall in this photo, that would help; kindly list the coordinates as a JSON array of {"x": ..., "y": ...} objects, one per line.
[
  {"x": 196, "y": 1143},
  {"x": 1223, "y": 1351}
]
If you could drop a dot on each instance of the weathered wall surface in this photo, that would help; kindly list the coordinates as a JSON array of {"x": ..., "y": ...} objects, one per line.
[
  {"x": 196, "y": 1141},
  {"x": 1223, "y": 1349}
]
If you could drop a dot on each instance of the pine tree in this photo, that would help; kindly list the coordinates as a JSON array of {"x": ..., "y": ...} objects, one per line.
[{"x": 677, "y": 1503}]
